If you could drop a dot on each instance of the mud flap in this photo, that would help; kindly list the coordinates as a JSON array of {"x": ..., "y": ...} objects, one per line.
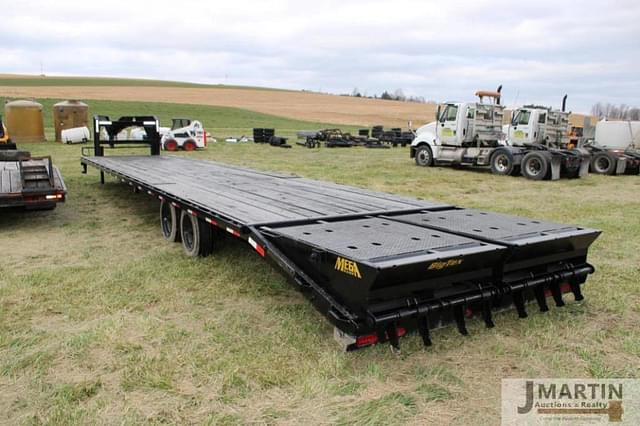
[
  {"x": 584, "y": 167},
  {"x": 621, "y": 165},
  {"x": 555, "y": 163}
]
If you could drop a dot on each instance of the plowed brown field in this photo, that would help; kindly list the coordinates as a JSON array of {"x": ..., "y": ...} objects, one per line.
[{"x": 298, "y": 105}]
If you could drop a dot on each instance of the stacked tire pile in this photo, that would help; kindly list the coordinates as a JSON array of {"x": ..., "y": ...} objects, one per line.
[{"x": 261, "y": 135}]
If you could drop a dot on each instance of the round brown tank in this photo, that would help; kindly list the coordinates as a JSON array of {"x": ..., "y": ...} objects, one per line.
[
  {"x": 24, "y": 121},
  {"x": 69, "y": 114}
]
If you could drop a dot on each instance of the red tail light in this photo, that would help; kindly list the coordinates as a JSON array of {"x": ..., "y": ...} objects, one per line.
[{"x": 372, "y": 339}]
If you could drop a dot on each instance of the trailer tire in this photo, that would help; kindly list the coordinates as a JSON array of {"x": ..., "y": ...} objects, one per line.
[
  {"x": 196, "y": 235},
  {"x": 424, "y": 156},
  {"x": 189, "y": 145},
  {"x": 169, "y": 222},
  {"x": 502, "y": 163},
  {"x": 603, "y": 164},
  {"x": 171, "y": 145},
  {"x": 535, "y": 166}
]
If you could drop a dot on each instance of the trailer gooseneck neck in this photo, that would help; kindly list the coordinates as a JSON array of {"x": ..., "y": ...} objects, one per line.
[{"x": 375, "y": 264}]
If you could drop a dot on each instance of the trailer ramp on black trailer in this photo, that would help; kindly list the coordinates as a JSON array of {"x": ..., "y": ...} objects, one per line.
[{"x": 375, "y": 264}]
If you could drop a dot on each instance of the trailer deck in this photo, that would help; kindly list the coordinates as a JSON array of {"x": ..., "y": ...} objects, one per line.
[{"x": 375, "y": 264}]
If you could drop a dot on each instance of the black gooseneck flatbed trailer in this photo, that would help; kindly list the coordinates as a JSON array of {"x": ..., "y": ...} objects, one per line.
[{"x": 375, "y": 264}]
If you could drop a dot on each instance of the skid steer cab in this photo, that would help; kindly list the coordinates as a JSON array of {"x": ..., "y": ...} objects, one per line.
[{"x": 185, "y": 134}]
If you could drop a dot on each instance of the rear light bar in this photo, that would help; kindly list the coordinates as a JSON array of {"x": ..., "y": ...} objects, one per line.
[{"x": 372, "y": 339}]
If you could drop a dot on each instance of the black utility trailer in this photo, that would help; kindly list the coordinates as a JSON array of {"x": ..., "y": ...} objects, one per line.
[
  {"x": 30, "y": 182},
  {"x": 375, "y": 264}
]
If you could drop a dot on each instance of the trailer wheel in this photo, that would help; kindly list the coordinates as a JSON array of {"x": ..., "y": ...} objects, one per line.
[
  {"x": 189, "y": 145},
  {"x": 424, "y": 156},
  {"x": 169, "y": 222},
  {"x": 535, "y": 166},
  {"x": 502, "y": 163},
  {"x": 171, "y": 145},
  {"x": 603, "y": 164},
  {"x": 196, "y": 235}
]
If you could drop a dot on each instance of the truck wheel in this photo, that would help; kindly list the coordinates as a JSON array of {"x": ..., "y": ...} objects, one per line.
[
  {"x": 169, "y": 222},
  {"x": 196, "y": 235},
  {"x": 171, "y": 145},
  {"x": 189, "y": 145},
  {"x": 535, "y": 166},
  {"x": 603, "y": 164},
  {"x": 424, "y": 156},
  {"x": 502, "y": 163}
]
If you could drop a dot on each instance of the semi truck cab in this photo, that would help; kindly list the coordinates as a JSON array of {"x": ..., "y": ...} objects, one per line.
[{"x": 539, "y": 125}]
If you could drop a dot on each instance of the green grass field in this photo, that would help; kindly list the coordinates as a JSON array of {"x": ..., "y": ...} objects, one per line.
[
  {"x": 102, "y": 321},
  {"x": 36, "y": 80}
]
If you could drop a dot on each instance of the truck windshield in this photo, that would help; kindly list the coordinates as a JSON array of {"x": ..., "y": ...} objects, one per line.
[{"x": 521, "y": 117}]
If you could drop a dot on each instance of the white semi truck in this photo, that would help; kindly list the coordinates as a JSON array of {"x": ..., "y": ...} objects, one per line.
[{"x": 472, "y": 134}]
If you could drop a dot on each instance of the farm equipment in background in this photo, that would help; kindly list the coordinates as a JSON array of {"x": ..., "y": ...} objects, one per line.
[
  {"x": 331, "y": 138},
  {"x": 336, "y": 138},
  {"x": 471, "y": 134},
  {"x": 5, "y": 140},
  {"x": 186, "y": 134},
  {"x": 265, "y": 135},
  {"x": 615, "y": 148},
  {"x": 394, "y": 137}
]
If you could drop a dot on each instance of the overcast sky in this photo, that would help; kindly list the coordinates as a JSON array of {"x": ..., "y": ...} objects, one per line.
[{"x": 441, "y": 50}]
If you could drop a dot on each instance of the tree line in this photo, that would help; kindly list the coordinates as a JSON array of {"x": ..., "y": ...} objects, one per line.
[
  {"x": 396, "y": 95},
  {"x": 615, "y": 112}
]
